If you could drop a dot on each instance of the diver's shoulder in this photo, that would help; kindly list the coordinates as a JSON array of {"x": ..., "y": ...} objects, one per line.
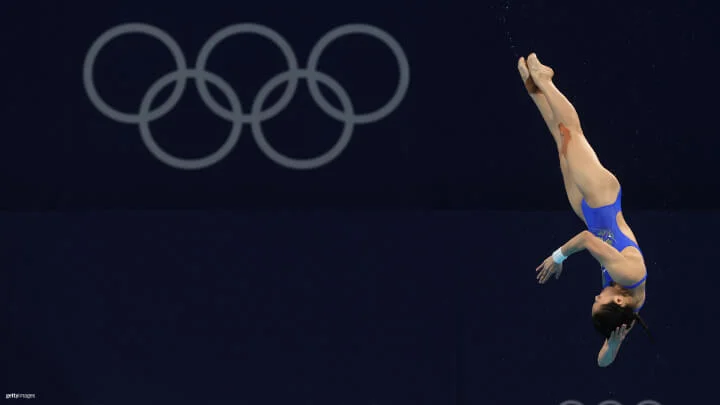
[{"x": 635, "y": 262}]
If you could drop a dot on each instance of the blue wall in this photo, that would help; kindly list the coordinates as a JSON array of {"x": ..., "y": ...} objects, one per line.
[
  {"x": 366, "y": 308},
  {"x": 465, "y": 134},
  {"x": 131, "y": 281}
]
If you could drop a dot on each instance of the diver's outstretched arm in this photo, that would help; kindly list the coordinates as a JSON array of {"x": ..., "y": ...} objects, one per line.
[
  {"x": 607, "y": 354},
  {"x": 620, "y": 268},
  {"x": 610, "y": 348},
  {"x": 553, "y": 264}
]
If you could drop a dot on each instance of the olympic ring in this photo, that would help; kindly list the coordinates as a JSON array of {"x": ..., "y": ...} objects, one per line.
[
  {"x": 104, "y": 39},
  {"x": 235, "y": 114},
  {"x": 252, "y": 29},
  {"x": 311, "y": 163},
  {"x": 403, "y": 66},
  {"x": 610, "y": 402},
  {"x": 174, "y": 161}
]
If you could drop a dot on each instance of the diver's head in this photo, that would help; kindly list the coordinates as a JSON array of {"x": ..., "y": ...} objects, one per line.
[
  {"x": 612, "y": 309},
  {"x": 612, "y": 294}
]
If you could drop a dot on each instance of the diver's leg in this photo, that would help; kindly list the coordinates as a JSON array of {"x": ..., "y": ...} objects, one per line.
[
  {"x": 597, "y": 184},
  {"x": 571, "y": 189},
  {"x": 573, "y": 192}
]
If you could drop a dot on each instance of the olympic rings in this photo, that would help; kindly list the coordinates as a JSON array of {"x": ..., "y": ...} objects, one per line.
[
  {"x": 257, "y": 115},
  {"x": 610, "y": 402}
]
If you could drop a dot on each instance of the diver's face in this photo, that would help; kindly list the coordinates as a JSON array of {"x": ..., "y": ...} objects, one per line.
[{"x": 606, "y": 296}]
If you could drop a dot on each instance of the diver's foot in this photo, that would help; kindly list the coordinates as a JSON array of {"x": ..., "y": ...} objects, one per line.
[
  {"x": 539, "y": 73},
  {"x": 530, "y": 85}
]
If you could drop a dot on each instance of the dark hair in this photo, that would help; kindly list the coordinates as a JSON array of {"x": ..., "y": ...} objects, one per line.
[{"x": 611, "y": 316}]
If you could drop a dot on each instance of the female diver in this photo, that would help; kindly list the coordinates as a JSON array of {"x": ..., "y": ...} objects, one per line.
[{"x": 595, "y": 196}]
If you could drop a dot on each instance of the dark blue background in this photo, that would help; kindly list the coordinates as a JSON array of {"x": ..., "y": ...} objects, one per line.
[
  {"x": 364, "y": 308},
  {"x": 466, "y": 135},
  {"x": 402, "y": 272}
]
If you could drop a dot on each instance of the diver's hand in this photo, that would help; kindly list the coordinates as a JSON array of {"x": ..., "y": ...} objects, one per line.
[
  {"x": 618, "y": 335},
  {"x": 525, "y": 76},
  {"x": 547, "y": 269}
]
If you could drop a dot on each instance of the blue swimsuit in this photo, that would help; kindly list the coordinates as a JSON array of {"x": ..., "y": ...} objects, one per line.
[{"x": 602, "y": 222}]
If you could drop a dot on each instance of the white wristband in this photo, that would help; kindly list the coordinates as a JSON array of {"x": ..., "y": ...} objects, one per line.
[{"x": 558, "y": 256}]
